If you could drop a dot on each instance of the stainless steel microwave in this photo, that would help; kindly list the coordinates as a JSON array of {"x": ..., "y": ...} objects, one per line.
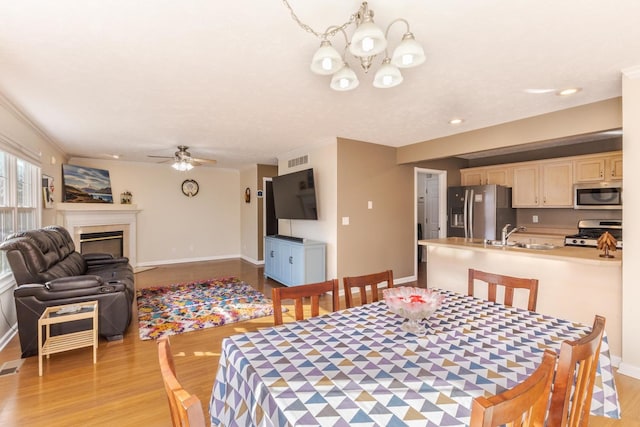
[{"x": 599, "y": 195}]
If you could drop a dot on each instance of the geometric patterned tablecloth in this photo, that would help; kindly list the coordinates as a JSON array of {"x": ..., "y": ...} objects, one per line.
[{"x": 357, "y": 367}]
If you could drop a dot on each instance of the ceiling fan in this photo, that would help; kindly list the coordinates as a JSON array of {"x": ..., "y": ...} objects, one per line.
[{"x": 182, "y": 159}]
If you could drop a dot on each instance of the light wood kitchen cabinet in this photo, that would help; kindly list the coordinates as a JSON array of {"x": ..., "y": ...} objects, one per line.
[
  {"x": 598, "y": 168},
  {"x": 526, "y": 186},
  {"x": 543, "y": 184},
  {"x": 499, "y": 175}
]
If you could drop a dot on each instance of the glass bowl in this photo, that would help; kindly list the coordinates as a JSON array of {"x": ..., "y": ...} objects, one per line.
[{"x": 414, "y": 304}]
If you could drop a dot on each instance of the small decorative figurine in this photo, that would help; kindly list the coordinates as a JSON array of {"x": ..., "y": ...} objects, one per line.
[
  {"x": 606, "y": 243},
  {"x": 125, "y": 198}
]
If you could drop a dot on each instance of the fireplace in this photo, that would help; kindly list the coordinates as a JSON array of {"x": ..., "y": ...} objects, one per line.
[
  {"x": 109, "y": 242},
  {"x": 104, "y": 219}
]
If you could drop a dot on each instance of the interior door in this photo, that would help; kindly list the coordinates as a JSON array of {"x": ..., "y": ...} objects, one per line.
[{"x": 432, "y": 208}]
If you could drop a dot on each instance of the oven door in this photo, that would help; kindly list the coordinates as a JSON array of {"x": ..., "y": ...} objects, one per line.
[{"x": 597, "y": 196}]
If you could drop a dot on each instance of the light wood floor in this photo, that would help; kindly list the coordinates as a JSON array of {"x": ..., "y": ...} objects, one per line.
[{"x": 125, "y": 389}]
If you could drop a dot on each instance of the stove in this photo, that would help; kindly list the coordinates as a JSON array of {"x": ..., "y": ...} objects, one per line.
[{"x": 589, "y": 230}]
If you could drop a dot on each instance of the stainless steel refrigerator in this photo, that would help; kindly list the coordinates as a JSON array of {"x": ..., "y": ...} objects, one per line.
[{"x": 479, "y": 212}]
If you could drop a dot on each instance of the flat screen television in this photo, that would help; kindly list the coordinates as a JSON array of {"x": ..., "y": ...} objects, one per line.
[{"x": 294, "y": 195}]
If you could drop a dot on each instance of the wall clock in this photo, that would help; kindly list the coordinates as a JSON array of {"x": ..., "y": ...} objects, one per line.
[{"x": 190, "y": 187}]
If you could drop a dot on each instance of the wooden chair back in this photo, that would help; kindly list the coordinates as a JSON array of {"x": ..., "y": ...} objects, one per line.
[
  {"x": 363, "y": 282},
  {"x": 186, "y": 409},
  {"x": 313, "y": 291},
  {"x": 524, "y": 405},
  {"x": 508, "y": 282},
  {"x": 576, "y": 371}
]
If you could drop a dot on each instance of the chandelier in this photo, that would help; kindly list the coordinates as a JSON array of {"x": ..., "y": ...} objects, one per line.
[{"x": 367, "y": 41}]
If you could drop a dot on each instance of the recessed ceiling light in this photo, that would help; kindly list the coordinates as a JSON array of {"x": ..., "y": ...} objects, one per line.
[
  {"x": 455, "y": 121},
  {"x": 568, "y": 91},
  {"x": 539, "y": 91},
  {"x": 115, "y": 156}
]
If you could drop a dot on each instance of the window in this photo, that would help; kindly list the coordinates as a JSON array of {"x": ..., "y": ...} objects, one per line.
[{"x": 19, "y": 195}]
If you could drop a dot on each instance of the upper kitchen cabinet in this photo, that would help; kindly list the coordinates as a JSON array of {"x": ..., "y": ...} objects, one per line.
[
  {"x": 543, "y": 184},
  {"x": 499, "y": 175},
  {"x": 601, "y": 167}
]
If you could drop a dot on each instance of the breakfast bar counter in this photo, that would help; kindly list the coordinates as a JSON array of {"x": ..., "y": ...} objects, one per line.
[{"x": 575, "y": 283}]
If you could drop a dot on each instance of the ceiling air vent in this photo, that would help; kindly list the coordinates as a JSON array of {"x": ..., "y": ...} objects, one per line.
[{"x": 302, "y": 160}]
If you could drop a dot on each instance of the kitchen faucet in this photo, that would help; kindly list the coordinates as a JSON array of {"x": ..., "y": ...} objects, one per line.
[{"x": 505, "y": 234}]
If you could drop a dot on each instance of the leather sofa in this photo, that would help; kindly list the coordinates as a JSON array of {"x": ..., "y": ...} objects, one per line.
[{"x": 49, "y": 271}]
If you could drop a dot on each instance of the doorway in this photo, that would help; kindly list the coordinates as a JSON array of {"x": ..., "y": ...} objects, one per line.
[{"x": 430, "y": 189}]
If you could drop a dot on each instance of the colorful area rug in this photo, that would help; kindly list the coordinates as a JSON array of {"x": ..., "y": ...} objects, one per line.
[{"x": 185, "y": 307}]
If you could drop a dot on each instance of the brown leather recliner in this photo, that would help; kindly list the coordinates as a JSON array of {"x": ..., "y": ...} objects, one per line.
[{"x": 49, "y": 272}]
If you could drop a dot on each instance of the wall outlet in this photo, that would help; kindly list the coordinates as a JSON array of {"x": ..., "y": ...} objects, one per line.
[
  {"x": 345, "y": 220},
  {"x": 370, "y": 204},
  {"x": 535, "y": 219}
]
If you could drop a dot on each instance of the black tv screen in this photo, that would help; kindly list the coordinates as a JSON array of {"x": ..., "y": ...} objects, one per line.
[{"x": 294, "y": 195}]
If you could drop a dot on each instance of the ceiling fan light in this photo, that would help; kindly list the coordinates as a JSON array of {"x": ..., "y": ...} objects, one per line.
[
  {"x": 367, "y": 40},
  {"x": 387, "y": 75},
  {"x": 345, "y": 79},
  {"x": 409, "y": 53},
  {"x": 326, "y": 60}
]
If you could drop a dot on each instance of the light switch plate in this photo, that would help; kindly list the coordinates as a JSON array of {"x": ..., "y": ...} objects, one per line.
[
  {"x": 370, "y": 204},
  {"x": 345, "y": 220}
]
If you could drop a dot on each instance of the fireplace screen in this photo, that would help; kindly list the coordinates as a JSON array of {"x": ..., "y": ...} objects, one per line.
[{"x": 109, "y": 242}]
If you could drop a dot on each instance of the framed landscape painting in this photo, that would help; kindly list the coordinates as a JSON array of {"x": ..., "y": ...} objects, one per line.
[{"x": 86, "y": 185}]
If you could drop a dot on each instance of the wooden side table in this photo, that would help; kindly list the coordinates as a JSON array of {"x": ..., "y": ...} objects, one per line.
[{"x": 67, "y": 313}]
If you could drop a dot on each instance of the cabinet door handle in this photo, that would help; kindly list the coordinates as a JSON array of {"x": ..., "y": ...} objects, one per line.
[
  {"x": 613, "y": 172},
  {"x": 271, "y": 254},
  {"x": 601, "y": 174},
  {"x": 290, "y": 260}
]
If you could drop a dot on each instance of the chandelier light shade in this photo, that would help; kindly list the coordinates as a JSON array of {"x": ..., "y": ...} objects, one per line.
[
  {"x": 345, "y": 79},
  {"x": 409, "y": 53},
  {"x": 327, "y": 60},
  {"x": 365, "y": 44},
  {"x": 387, "y": 76}
]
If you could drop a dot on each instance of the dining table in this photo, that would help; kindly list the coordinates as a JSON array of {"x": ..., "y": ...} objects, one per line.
[{"x": 357, "y": 366}]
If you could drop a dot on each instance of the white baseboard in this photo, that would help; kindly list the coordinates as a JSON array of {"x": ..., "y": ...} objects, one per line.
[
  {"x": 8, "y": 336},
  {"x": 185, "y": 260},
  {"x": 629, "y": 370},
  {"x": 252, "y": 261}
]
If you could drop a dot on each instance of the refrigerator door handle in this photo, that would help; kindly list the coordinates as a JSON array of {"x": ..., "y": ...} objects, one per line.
[
  {"x": 471, "y": 195},
  {"x": 466, "y": 213}
]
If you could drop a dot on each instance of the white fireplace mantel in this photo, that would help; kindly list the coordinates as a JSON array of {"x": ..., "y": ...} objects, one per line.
[{"x": 79, "y": 218}]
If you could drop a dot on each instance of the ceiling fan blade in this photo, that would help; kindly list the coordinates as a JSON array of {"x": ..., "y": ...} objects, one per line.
[
  {"x": 209, "y": 161},
  {"x": 161, "y": 157}
]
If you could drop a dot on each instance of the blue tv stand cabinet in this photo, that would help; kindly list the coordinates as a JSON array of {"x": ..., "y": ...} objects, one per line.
[{"x": 293, "y": 261}]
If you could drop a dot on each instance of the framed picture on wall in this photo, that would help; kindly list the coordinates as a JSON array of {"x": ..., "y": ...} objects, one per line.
[
  {"x": 86, "y": 185},
  {"x": 47, "y": 191}
]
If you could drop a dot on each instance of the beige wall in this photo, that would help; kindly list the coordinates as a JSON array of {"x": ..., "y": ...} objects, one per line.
[
  {"x": 631, "y": 270},
  {"x": 264, "y": 171},
  {"x": 586, "y": 119},
  {"x": 172, "y": 227},
  {"x": 383, "y": 237},
  {"x": 248, "y": 214},
  {"x": 322, "y": 158}
]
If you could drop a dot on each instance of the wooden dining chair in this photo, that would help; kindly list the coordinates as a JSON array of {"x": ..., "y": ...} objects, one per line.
[
  {"x": 509, "y": 283},
  {"x": 576, "y": 371},
  {"x": 313, "y": 291},
  {"x": 364, "y": 282},
  {"x": 524, "y": 405},
  {"x": 186, "y": 409}
]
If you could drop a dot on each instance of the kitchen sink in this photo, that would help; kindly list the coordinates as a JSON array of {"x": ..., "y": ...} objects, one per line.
[
  {"x": 537, "y": 246},
  {"x": 498, "y": 243},
  {"x": 534, "y": 246}
]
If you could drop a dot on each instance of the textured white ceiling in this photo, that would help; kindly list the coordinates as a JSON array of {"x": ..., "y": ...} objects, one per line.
[{"x": 231, "y": 80}]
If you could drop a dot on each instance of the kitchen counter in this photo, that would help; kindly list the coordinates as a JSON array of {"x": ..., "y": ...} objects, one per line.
[
  {"x": 574, "y": 253},
  {"x": 574, "y": 283}
]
